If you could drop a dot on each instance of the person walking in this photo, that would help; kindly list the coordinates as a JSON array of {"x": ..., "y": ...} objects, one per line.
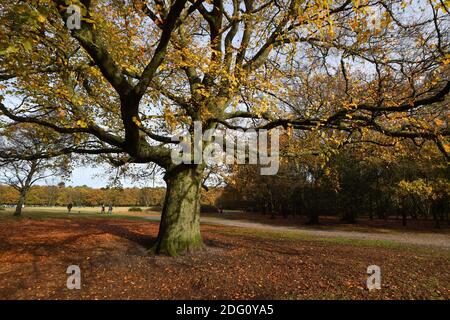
[
  {"x": 69, "y": 207},
  {"x": 110, "y": 208},
  {"x": 103, "y": 208}
]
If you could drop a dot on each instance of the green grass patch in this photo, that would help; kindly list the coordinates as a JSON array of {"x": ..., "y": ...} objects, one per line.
[
  {"x": 54, "y": 214},
  {"x": 299, "y": 236}
]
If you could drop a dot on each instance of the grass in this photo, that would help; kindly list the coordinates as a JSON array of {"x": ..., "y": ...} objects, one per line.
[
  {"x": 393, "y": 225},
  {"x": 299, "y": 236},
  {"x": 39, "y": 213},
  {"x": 45, "y": 213}
]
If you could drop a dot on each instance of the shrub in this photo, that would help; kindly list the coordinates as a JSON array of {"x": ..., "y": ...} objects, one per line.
[
  {"x": 207, "y": 208},
  {"x": 135, "y": 209},
  {"x": 154, "y": 208}
]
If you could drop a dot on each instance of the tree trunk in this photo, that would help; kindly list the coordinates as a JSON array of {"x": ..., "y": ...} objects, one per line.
[
  {"x": 436, "y": 220},
  {"x": 313, "y": 216},
  {"x": 179, "y": 231},
  {"x": 18, "y": 211},
  {"x": 283, "y": 210},
  {"x": 349, "y": 216}
]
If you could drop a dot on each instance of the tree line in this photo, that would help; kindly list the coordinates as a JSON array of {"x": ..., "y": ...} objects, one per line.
[
  {"x": 350, "y": 183},
  {"x": 84, "y": 196}
]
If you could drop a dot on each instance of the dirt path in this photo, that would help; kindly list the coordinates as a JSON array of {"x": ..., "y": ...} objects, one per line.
[{"x": 422, "y": 239}]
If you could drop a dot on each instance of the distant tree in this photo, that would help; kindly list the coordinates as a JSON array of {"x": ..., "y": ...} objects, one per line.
[
  {"x": 8, "y": 195},
  {"x": 151, "y": 197},
  {"x": 21, "y": 174}
]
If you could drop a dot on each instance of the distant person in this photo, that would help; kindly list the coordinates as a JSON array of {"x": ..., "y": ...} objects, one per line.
[
  {"x": 110, "y": 208},
  {"x": 69, "y": 207},
  {"x": 103, "y": 208}
]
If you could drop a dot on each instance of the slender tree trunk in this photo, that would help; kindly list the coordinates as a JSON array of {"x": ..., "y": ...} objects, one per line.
[
  {"x": 313, "y": 217},
  {"x": 436, "y": 219},
  {"x": 349, "y": 216},
  {"x": 25, "y": 187},
  {"x": 20, "y": 203},
  {"x": 435, "y": 213},
  {"x": 179, "y": 231},
  {"x": 283, "y": 210}
]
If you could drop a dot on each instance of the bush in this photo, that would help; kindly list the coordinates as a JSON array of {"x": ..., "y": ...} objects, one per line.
[
  {"x": 135, "y": 209},
  {"x": 207, "y": 208},
  {"x": 154, "y": 208}
]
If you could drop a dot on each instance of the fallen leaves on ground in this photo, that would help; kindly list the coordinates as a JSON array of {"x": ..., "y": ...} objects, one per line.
[{"x": 116, "y": 264}]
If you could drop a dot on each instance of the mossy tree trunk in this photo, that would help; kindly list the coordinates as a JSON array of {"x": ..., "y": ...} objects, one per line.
[{"x": 179, "y": 231}]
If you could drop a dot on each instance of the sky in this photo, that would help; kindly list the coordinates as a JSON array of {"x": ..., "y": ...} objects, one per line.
[
  {"x": 99, "y": 178},
  {"x": 91, "y": 177}
]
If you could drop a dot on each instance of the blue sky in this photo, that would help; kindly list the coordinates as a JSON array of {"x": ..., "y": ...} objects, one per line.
[
  {"x": 98, "y": 178},
  {"x": 91, "y": 177}
]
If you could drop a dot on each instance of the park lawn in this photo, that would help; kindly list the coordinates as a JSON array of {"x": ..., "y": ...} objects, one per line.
[
  {"x": 40, "y": 213},
  {"x": 389, "y": 226},
  {"x": 237, "y": 263},
  {"x": 338, "y": 240}
]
